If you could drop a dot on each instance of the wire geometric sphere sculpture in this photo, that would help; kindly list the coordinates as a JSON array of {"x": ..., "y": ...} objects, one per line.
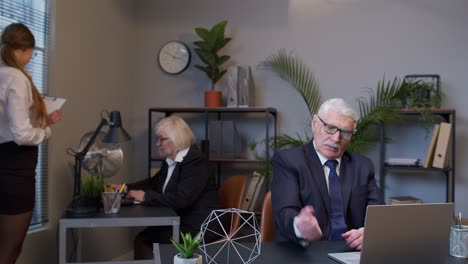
[{"x": 245, "y": 245}]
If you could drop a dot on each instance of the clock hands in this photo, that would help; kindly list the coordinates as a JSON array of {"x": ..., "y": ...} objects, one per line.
[{"x": 175, "y": 57}]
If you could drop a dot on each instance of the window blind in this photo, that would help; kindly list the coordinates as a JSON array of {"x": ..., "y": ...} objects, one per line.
[{"x": 35, "y": 15}]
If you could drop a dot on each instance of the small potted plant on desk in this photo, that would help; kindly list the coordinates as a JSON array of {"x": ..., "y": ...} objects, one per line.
[
  {"x": 92, "y": 188},
  {"x": 187, "y": 249},
  {"x": 213, "y": 40}
]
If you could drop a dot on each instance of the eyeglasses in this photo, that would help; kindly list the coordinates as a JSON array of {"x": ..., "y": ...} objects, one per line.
[
  {"x": 330, "y": 129},
  {"x": 160, "y": 139}
]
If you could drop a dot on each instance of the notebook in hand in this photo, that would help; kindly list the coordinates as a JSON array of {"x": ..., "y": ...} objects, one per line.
[{"x": 409, "y": 233}]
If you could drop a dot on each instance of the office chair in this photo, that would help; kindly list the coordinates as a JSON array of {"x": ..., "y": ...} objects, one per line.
[
  {"x": 231, "y": 194},
  {"x": 267, "y": 222}
]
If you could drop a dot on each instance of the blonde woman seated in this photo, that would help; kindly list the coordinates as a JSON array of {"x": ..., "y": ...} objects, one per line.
[{"x": 182, "y": 184}]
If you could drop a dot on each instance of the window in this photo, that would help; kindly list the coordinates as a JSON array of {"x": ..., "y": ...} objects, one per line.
[{"x": 35, "y": 15}]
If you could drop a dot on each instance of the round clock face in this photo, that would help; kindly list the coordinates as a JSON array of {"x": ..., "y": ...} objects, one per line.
[{"x": 174, "y": 57}]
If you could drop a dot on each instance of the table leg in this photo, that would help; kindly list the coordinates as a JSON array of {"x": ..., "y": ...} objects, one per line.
[
  {"x": 62, "y": 244},
  {"x": 156, "y": 253},
  {"x": 175, "y": 230}
]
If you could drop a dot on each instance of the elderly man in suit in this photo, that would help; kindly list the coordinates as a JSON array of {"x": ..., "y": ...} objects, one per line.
[{"x": 320, "y": 190}]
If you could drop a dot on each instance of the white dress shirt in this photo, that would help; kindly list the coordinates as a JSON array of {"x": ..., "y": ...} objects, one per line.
[
  {"x": 16, "y": 109},
  {"x": 172, "y": 163}
]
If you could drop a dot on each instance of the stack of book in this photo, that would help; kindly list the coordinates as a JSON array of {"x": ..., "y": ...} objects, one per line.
[
  {"x": 404, "y": 200},
  {"x": 402, "y": 162}
]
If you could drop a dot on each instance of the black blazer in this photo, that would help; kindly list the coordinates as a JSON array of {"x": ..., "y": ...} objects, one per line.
[
  {"x": 189, "y": 191},
  {"x": 299, "y": 180}
]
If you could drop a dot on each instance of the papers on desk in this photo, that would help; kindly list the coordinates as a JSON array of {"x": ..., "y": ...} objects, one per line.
[{"x": 53, "y": 103}]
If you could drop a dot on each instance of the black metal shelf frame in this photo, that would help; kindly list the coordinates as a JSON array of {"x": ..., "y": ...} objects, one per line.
[{"x": 448, "y": 115}]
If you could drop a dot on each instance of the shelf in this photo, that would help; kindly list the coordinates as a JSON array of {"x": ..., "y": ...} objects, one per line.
[
  {"x": 171, "y": 110},
  {"x": 413, "y": 168},
  {"x": 448, "y": 115}
]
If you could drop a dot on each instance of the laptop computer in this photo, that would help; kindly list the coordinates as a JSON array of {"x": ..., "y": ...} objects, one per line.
[{"x": 409, "y": 233}]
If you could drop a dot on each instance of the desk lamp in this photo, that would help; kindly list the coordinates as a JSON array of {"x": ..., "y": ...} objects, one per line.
[{"x": 115, "y": 134}]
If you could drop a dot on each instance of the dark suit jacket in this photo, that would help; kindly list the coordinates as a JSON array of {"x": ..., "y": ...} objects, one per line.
[
  {"x": 189, "y": 191},
  {"x": 299, "y": 180}
]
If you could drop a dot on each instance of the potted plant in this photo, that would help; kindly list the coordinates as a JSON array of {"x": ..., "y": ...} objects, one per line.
[
  {"x": 187, "y": 249},
  {"x": 419, "y": 94},
  {"x": 213, "y": 40},
  {"x": 91, "y": 189},
  {"x": 251, "y": 152}
]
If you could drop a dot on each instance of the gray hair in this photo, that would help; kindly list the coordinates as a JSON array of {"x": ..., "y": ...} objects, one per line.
[
  {"x": 178, "y": 132},
  {"x": 340, "y": 106}
]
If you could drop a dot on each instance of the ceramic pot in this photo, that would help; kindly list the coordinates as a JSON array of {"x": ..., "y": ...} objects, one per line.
[
  {"x": 213, "y": 99},
  {"x": 179, "y": 259},
  {"x": 251, "y": 154}
]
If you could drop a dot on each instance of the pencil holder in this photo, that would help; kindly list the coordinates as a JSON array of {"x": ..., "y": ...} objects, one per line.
[
  {"x": 111, "y": 202},
  {"x": 459, "y": 241}
]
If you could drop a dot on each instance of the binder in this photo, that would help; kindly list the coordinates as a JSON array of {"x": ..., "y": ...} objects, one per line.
[
  {"x": 430, "y": 151},
  {"x": 250, "y": 191},
  {"x": 214, "y": 138},
  {"x": 254, "y": 204},
  {"x": 443, "y": 141},
  {"x": 230, "y": 147}
]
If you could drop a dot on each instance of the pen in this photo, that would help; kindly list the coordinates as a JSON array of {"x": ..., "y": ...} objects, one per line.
[
  {"x": 459, "y": 220},
  {"x": 117, "y": 196}
]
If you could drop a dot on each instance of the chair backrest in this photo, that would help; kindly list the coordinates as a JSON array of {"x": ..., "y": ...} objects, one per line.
[
  {"x": 267, "y": 222},
  {"x": 231, "y": 194}
]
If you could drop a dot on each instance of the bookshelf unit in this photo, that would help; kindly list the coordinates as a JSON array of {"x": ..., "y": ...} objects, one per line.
[
  {"x": 442, "y": 114},
  {"x": 217, "y": 113}
]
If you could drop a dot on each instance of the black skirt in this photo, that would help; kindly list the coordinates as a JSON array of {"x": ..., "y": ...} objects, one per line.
[{"x": 17, "y": 177}]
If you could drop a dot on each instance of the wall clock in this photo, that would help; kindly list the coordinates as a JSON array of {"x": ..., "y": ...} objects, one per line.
[{"x": 174, "y": 57}]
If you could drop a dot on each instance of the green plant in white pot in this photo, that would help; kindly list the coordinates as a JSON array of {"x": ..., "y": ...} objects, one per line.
[
  {"x": 252, "y": 150},
  {"x": 187, "y": 249},
  {"x": 212, "y": 41}
]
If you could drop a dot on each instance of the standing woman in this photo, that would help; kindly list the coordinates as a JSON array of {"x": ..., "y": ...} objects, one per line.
[{"x": 24, "y": 124}]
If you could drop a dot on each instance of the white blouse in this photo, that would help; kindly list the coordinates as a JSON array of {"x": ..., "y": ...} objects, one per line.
[{"x": 16, "y": 104}]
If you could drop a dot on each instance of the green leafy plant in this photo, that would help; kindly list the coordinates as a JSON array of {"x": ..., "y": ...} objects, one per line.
[
  {"x": 189, "y": 245},
  {"x": 292, "y": 70},
  {"x": 377, "y": 108},
  {"x": 419, "y": 94},
  {"x": 252, "y": 145},
  {"x": 213, "y": 40},
  {"x": 92, "y": 187}
]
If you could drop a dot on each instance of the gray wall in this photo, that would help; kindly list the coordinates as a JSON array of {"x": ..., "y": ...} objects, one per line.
[{"x": 104, "y": 57}]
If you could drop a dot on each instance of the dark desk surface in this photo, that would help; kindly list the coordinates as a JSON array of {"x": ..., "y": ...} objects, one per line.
[
  {"x": 131, "y": 212},
  {"x": 287, "y": 253}
]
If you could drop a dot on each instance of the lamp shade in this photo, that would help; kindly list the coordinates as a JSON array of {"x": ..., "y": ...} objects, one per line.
[{"x": 116, "y": 133}]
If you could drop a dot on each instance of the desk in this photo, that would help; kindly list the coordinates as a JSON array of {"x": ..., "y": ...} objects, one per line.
[
  {"x": 272, "y": 253},
  {"x": 137, "y": 215}
]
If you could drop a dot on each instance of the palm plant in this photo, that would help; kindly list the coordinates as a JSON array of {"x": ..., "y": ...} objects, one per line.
[
  {"x": 292, "y": 70},
  {"x": 376, "y": 109}
]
